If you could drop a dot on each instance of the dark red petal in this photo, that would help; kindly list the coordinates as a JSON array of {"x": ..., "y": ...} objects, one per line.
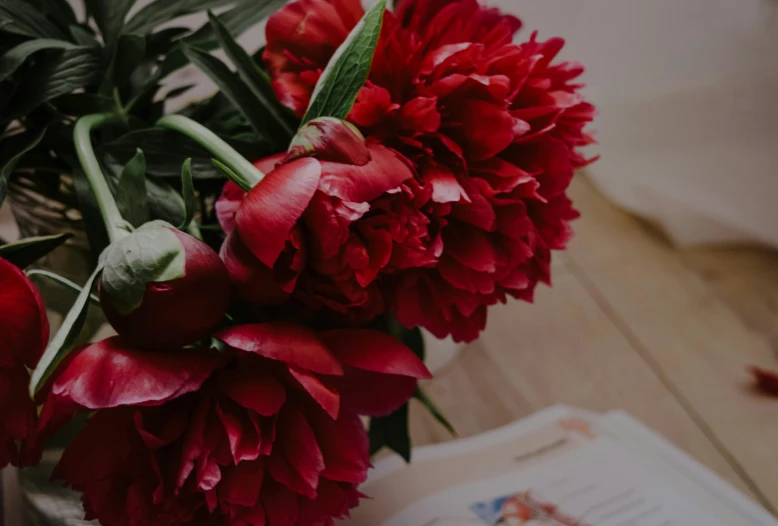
[
  {"x": 110, "y": 374},
  {"x": 270, "y": 210},
  {"x": 24, "y": 328},
  {"x": 252, "y": 281},
  {"x": 361, "y": 184},
  {"x": 326, "y": 396},
  {"x": 280, "y": 504},
  {"x": 227, "y": 205},
  {"x": 345, "y": 446},
  {"x": 241, "y": 485},
  {"x": 373, "y": 394},
  {"x": 766, "y": 381},
  {"x": 297, "y": 442},
  {"x": 254, "y": 390},
  {"x": 287, "y": 342},
  {"x": 374, "y": 351}
]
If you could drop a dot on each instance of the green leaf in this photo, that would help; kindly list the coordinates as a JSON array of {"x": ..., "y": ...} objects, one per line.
[
  {"x": 280, "y": 122},
  {"x": 422, "y": 397},
  {"x": 165, "y": 151},
  {"x": 60, "y": 11},
  {"x": 27, "y": 251},
  {"x": 163, "y": 11},
  {"x": 66, "y": 336},
  {"x": 229, "y": 83},
  {"x": 130, "y": 52},
  {"x": 84, "y": 36},
  {"x": 153, "y": 253},
  {"x": 24, "y": 18},
  {"x": 391, "y": 431},
  {"x": 109, "y": 16},
  {"x": 165, "y": 203},
  {"x": 188, "y": 191},
  {"x": 64, "y": 282},
  {"x": 14, "y": 58},
  {"x": 227, "y": 172},
  {"x": 19, "y": 146},
  {"x": 130, "y": 191},
  {"x": 93, "y": 219},
  {"x": 56, "y": 75},
  {"x": 348, "y": 69}
]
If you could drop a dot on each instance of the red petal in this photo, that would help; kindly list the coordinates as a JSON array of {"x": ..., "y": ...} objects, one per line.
[
  {"x": 270, "y": 210},
  {"x": 420, "y": 115},
  {"x": 329, "y": 139},
  {"x": 766, "y": 381},
  {"x": 254, "y": 390},
  {"x": 374, "y": 351},
  {"x": 485, "y": 129},
  {"x": 345, "y": 446},
  {"x": 287, "y": 342},
  {"x": 241, "y": 485},
  {"x": 373, "y": 394},
  {"x": 280, "y": 504},
  {"x": 251, "y": 280},
  {"x": 24, "y": 328},
  {"x": 110, "y": 374},
  {"x": 296, "y": 444},
  {"x": 445, "y": 187},
  {"x": 227, "y": 205},
  {"x": 325, "y": 396},
  {"x": 361, "y": 184}
]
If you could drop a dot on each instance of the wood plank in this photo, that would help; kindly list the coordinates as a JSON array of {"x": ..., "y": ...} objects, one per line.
[
  {"x": 562, "y": 349},
  {"x": 692, "y": 339}
]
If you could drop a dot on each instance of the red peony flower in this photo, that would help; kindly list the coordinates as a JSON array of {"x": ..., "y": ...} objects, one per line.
[
  {"x": 491, "y": 128},
  {"x": 306, "y": 231},
  {"x": 185, "y": 294},
  {"x": 266, "y": 433},
  {"x": 24, "y": 333}
]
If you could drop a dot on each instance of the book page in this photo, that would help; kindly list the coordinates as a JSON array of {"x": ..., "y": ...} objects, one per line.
[{"x": 555, "y": 469}]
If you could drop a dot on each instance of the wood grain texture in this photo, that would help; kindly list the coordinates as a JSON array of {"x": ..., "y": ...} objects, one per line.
[{"x": 631, "y": 324}]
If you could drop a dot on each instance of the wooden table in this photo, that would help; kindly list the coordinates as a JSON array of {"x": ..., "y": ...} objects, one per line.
[{"x": 632, "y": 323}]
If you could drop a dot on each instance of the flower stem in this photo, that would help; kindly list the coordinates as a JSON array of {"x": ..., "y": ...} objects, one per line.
[
  {"x": 247, "y": 173},
  {"x": 114, "y": 223}
]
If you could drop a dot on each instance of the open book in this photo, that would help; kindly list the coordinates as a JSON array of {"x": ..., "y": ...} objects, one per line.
[{"x": 559, "y": 467}]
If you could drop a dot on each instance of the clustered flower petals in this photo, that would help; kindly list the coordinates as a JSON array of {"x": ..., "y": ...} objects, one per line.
[
  {"x": 24, "y": 333},
  {"x": 490, "y": 130},
  {"x": 266, "y": 433}
]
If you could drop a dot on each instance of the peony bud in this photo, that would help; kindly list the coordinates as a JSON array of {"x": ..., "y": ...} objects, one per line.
[{"x": 163, "y": 288}]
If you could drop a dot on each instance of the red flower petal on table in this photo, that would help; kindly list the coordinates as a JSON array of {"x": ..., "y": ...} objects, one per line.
[
  {"x": 766, "y": 381},
  {"x": 110, "y": 374},
  {"x": 287, "y": 342},
  {"x": 24, "y": 329},
  {"x": 271, "y": 209}
]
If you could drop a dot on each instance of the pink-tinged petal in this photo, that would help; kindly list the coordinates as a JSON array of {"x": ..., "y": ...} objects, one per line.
[
  {"x": 361, "y": 184},
  {"x": 374, "y": 351},
  {"x": 252, "y": 281},
  {"x": 281, "y": 504},
  {"x": 24, "y": 328},
  {"x": 241, "y": 484},
  {"x": 345, "y": 445},
  {"x": 287, "y": 342},
  {"x": 329, "y": 139},
  {"x": 227, "y": 205},
  {"x": 327, "y": 397},
  {"x": 254, "y": 390},
  {"x": 445, "y": 187},
  {"x": 421, "y": 115},
  {"x": 268, "y": 164},
  {"x": 271, "y": 209},
  {"x": 111, "y": 374}
]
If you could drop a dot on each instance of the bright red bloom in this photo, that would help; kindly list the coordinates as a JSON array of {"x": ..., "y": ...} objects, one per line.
[
  {"x": 24, "y": 333},
  {"x": 491, "y": 128},
  {"x": 306, "y": 231},
  {"x": 266, "y": 433}
]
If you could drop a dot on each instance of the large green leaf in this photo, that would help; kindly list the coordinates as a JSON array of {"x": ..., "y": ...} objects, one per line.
[
  {"x": 28, "y": 250},
  {"x": 66, "y": 336},
  {"x": 58, "y": 74},
  {"x": 280, "y": 122},
  {"x": 109, "y": 16},
  {"x": 153, "y": 253},
  {"x": 391, "y": 431},
  {"x": 163, "y": 11},
  {"x": 231, "y": 85},
  {"x": 22, "y": 17},
  {"x": 348, "y": 69},
  {"x": 15, "y": 57},
  {"x": 131, "y": 192},
  {"x": 18, "y": 146}
]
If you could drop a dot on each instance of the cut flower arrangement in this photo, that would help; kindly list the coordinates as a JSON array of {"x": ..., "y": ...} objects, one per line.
[{"x": 267, "y": 257}]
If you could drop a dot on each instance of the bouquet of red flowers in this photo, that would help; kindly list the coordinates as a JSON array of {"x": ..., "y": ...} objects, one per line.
[{"x": 411, "y": 172}]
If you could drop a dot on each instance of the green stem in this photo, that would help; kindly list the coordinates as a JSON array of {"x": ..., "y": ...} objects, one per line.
[
  {"x": 246, "y": 172},
  {"x": 114, "y": 222}
]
